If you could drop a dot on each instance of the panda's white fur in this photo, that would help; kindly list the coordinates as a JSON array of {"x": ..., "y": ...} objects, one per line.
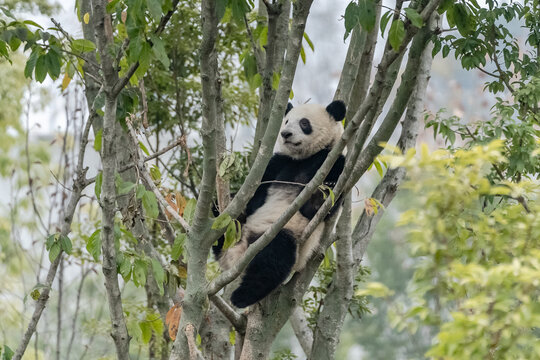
[{"x": 307, "y": 134}]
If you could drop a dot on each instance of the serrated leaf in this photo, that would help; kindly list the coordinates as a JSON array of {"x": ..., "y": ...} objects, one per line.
[
  {"x": 97, "y": 186},
  {"x": 221, "y": 221},
  {"x": 396, "y": 34},
  {"x": 414, "y": 17},
  {"x": 93, "y": 246},
  {"x": 178, "y": 246},
  {"x": 65, "y": 244},
  {"x": 159, "y": 275},
  {"x": 54, "y": 251},
  {"x": 98, "y": 140},
  {"x": 150, "y": 204},
  {"x": 82, "y": 46}
]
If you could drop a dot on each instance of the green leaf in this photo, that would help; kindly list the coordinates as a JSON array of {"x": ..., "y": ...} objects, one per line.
[
  {"x": 303, "y": 54},
  {"x": 415, "y": 17},
  {"x": 82, "y": 46},
  {"x": 97, "y": 186},
  {"x": 178, "y": 246},
  {"x": 150, "y": 204},
  {"x": 65, "y": 244},
  {"x": 378, "y": 167},
  {"x": 54, "y": 251},
  {"x": 146, "y": 330},
  {"x": 189, "y": 210},
  {"x": 53, "y": 64},
  {"x": 239, "y": 9},
  {"x": 51, "y": 239},
  {"x": 221, "y": 6},
  {"x": 155, "y": 173},
  {"x": 351, "y": 18},
  {"x": 159, "y": 275},
  {"x": 230, "y": 235},
  {"x": 111, "y": 6},
  {"x": 41, "y": 68},
  {"x": 31, "y": 63},
  {"x": 436, "y": 47},
  {"x": 232, "y": 337},
  {"x": 123, "y": 187},
  {"x": 7, "y": 354},
  {"x": 154, "y": 6},
  {"x": 445, "y": 51},
  {"x": 275, "y": 81},
  {"x": 462, "y": 19},
  {"x": 221, "y": 221},
  {"x": 143, "y": 148},
  {"x": 33, "y": 23},
  {"x": 160, "y": 52},
  {"x": 384, "y": 21},
  {"x": 124, "y": 269},
  {"x": 367, "y": 14},
  {"x": 97, "y": 140},
  {"x": 140, "y": 191},
  {"x": 139, "y": 273},
  {"x": 94, "y": 244},
  {"x": 396, "y": 34},
  {"x": 308, "y": 40}
]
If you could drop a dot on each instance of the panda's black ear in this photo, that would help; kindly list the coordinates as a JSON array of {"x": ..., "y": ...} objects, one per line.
[
  {"x": 289, "y": 107},
  {"x": 337, "y": 110}
]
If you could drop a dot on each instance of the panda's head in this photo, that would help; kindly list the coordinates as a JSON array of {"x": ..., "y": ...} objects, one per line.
[{"x": 309, "y": 128}]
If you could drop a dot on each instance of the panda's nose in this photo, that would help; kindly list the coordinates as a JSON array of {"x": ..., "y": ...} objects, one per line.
[{"x": 286, "y": 134}]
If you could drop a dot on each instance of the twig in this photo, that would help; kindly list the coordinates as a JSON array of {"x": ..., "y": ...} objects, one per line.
[
  {"x": 237, "y": 320},
  {"x": 150, "y": 183},
  {"x": 78, "y": 186}
]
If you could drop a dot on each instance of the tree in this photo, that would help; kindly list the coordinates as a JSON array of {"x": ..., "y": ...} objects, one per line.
[{"x": 160, "y": 241}]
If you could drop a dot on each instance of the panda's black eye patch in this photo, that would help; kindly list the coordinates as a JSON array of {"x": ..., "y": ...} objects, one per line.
[{"x": 305, "y": 125}]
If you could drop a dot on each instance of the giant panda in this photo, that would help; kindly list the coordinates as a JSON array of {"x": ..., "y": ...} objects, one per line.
[{"x": 307, "y": 135}]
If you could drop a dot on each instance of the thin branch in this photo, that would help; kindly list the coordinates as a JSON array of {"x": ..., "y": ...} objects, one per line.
[
  {"x": 237, "y": 320},
  {"x": 194, "y": 352},
  {"x": 151, "y": 185},
  {"x": 75, "y": 195}
]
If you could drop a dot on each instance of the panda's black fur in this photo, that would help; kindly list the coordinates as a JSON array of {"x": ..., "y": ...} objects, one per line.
[{"x": 307, "y": 135}]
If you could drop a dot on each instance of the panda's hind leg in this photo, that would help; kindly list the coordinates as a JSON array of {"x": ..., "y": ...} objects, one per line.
[{"x": 268, "y": 269}]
